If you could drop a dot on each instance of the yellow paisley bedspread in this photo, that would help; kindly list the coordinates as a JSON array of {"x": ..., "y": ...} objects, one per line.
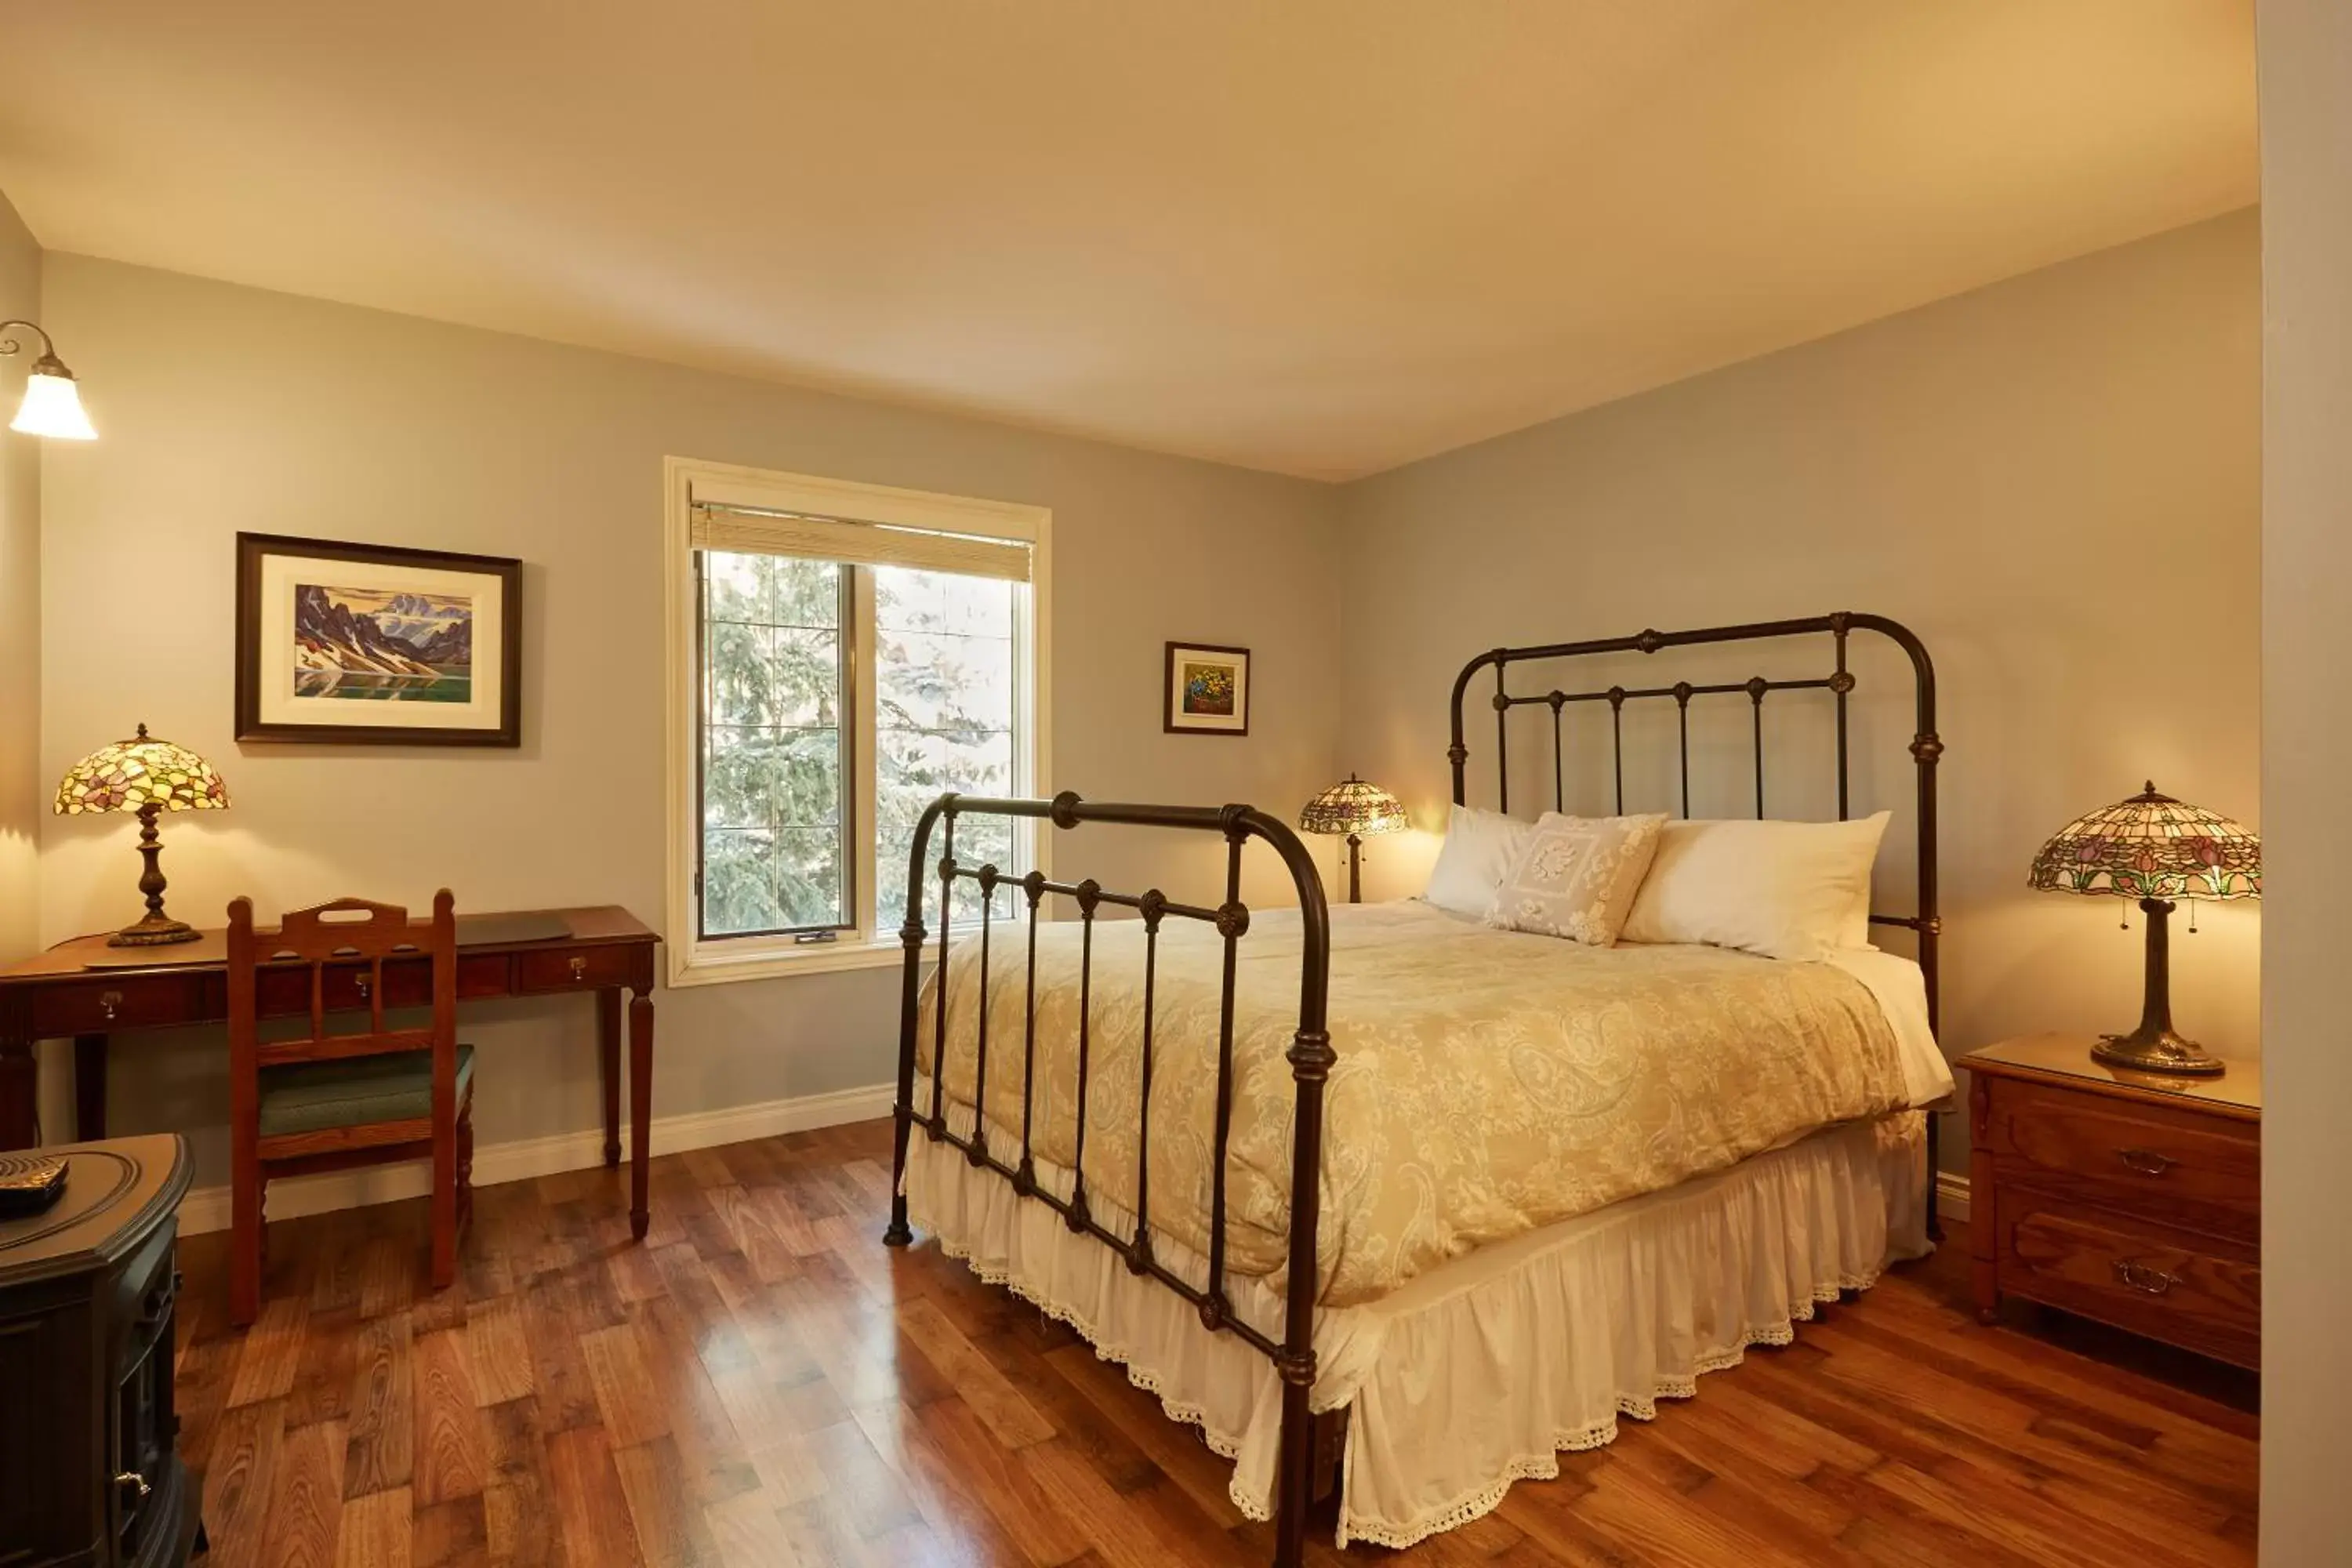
[{"x": 1488, "y": 1082}]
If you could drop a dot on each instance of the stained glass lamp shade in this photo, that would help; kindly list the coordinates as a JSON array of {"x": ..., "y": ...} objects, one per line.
[
  {"x": 2156, "y": 850},
  {"x": 146, "y": 777},
  {"x": 1357, "y": 809}
]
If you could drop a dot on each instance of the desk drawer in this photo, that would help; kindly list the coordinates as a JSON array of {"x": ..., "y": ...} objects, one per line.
[
  {"x": 581, "y": 969},
  {"x": 2170, "y": 1166},
  {"x": 2203, "y": 1295},
  {"x": 104, "y": 1003}
]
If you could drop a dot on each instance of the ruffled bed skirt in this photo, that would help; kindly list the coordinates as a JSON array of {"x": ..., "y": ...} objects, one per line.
[{"x": 1480, "y": 1374}]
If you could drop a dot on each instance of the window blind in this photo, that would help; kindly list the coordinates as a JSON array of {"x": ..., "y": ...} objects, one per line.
[{"x": 860, "y": 543}]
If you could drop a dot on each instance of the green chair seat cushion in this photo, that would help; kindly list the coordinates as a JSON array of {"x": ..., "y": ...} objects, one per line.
[{"x": 355, "y": 1092}]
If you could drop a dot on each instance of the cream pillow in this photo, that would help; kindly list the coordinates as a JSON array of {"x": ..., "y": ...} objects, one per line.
[
  {"x": 1786, "y": 889},
  {"x": 1480, "y": 847},
  {"x": 1576, "y": 876}
]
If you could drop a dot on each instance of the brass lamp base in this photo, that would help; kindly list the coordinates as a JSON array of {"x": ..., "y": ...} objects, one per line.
[
  {"x": 2163, "y": 1052},
  {"x": 153, "y": 932},
  {"x": 2153, "y": 1047},
  {"x": 155, "y": 929}
]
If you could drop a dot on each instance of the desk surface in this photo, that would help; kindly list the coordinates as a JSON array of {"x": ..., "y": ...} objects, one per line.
[{"x": 497, "y": 932}]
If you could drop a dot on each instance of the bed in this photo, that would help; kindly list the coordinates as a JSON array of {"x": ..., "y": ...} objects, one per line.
[{"x": 1386, "y": 1200}]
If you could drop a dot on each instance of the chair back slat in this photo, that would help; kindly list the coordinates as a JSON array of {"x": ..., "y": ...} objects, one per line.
[{"x": 344, "y": 934}]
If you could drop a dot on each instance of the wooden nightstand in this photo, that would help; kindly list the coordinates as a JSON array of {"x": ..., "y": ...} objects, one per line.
[{"x": 2120, "y": 1195}]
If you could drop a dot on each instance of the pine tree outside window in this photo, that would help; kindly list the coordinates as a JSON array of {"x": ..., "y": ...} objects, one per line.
[{"x": 840, "y": 670}]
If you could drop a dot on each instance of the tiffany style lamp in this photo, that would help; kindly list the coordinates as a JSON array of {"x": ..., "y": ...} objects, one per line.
[
  {"x": 146, "y": 777},
  {"x": 1359, "y": 810},
  {"x": 2153, "y": 848}
]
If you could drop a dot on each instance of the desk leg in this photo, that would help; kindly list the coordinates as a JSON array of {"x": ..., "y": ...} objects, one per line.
[
  {"x": 89, "y": 1088},
  {"x": 641, "y": 1107},
  {"x": 608, "y": 1055}
]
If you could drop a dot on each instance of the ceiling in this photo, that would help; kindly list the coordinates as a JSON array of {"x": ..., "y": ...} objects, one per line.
[{"x": 1318, "y": 236}]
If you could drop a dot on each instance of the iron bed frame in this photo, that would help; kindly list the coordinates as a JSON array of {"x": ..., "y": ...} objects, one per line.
[{"x": 1310, "y": 1053}]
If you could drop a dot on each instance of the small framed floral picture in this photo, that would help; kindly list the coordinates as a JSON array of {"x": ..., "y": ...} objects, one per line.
[{"x": 1207, "y": 689}]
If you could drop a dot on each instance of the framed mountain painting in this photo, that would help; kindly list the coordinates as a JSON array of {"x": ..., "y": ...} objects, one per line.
[{"x": 376, "y": 644}]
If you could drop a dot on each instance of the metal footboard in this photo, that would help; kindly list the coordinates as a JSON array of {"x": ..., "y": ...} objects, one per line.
[{"x": 1310, "y": 1056}]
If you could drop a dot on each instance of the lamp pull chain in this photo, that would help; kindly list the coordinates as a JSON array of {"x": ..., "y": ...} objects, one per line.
[{"x": 2192, "y": 917}]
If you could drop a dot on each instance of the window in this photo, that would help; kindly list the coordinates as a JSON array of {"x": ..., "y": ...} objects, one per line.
[{"x": 841, "y": 654}]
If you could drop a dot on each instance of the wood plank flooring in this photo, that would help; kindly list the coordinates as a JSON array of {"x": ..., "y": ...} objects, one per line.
[{"x": 762, "y": 1382}]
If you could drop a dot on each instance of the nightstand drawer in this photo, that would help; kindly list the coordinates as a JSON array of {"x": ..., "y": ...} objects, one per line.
[
  {"x": 2199, "y": 1294},
  {"x": 2177, "y": 1166}
]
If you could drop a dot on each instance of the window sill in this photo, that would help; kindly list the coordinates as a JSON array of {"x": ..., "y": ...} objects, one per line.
[{"x": 712, "y": 966}]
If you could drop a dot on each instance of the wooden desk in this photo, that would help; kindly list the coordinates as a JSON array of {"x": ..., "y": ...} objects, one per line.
[{"x": 89, "y": 991}]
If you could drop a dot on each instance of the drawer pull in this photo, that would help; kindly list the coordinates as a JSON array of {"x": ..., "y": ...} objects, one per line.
[
  {"x": 135, "y": 1482},
  {"x": 2139, "y": 1276},
  {"x": 359, "y": 984},
  {"x": 2147, "y": 1162},
  {"x": 579, "y": 966},
  {"x": 108, "y": 1001}
]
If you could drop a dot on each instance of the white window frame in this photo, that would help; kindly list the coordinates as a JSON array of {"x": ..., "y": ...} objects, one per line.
[{"x": 696, "y": 960}]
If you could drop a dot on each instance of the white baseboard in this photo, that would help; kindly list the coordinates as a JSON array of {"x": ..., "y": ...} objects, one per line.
[
  {"x": 1951, "y": 1191},
  {"x": 207, "y": 1208}
]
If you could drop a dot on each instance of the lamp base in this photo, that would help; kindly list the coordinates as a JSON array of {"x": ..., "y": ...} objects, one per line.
[
  {"x": 2158, "y": 1051},
  {"x": 153, "y": 932}
]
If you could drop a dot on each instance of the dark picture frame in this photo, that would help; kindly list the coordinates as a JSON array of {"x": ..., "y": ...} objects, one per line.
[
  {"x": 1186, "y": 708},
  {"x": 266, "y": 655}
]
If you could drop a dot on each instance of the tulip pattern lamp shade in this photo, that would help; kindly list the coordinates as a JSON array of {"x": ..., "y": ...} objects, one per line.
[
  {"x": 1357, "y": 809},
  {"x": 146, "y": 777},
  {"x": 2156, "y": 850}
]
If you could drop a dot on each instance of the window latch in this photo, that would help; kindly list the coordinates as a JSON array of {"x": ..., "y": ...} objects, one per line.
[{"x": 807, "y": 938}]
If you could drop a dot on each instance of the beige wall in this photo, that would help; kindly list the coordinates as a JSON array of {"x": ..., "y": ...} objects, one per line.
[
  {"x": 227, "y": 409},
  {"x": 2306, "y": 106},
  {"x": 2053, "y": 480}
]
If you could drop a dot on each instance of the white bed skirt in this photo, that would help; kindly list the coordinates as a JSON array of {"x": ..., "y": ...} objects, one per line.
[{"x": 1480, "y": 1372}]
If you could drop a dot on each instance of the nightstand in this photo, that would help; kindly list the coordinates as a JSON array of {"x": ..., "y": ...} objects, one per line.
[{"x": 2124, "y": 1197}]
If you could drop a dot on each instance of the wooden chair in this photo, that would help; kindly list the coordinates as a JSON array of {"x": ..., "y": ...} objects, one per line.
[{"x": 325, "y": 1102}]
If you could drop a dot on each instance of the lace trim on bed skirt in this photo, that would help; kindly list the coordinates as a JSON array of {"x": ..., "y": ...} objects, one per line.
[
  {"x": 1481, "y": 1503},
  {"x": 1827, "y": 1183},
  {"x": 1224, "y": 1445},
  {"x": 1486, "y": 1498},
  {"x": 1143, "y": 1377}
]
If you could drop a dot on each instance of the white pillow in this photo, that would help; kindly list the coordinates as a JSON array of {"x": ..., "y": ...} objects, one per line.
[
  {"x": 1786, "y": 889},
  {"x": 1479, "y": 850}
]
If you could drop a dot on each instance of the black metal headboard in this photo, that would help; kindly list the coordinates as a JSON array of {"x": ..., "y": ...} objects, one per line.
[{"x": 1925, "y": 747}]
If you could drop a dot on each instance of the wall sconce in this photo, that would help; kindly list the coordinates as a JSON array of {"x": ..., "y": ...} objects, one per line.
[{"x": 52, "y": 404}]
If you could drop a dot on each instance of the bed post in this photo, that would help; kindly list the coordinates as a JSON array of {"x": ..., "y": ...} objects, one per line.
[
  {"x": 911, "y": 989},
  {"x": 1926, "y": 751},
  {"x": 1311, "y": 1058}
]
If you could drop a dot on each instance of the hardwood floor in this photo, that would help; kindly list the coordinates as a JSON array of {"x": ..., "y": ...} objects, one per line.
[{"x": 762, "y": 1382}]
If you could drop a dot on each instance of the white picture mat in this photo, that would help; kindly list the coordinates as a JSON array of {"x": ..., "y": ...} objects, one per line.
[
  {"x": 282, "y": 575},
  {"x": 1238, "y": 719}
]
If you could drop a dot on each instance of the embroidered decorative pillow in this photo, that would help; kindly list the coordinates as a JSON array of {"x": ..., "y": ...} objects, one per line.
[{"x": 1577, "y": 876}]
